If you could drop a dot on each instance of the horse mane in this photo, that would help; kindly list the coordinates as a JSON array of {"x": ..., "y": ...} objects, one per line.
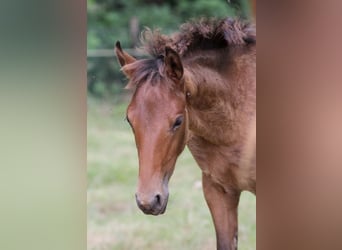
[{"x": 202, "y": 34}]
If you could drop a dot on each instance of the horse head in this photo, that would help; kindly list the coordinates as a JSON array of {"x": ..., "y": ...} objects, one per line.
[{"x": 158, "y": 117}]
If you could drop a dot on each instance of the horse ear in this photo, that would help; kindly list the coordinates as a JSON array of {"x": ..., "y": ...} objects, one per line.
[
  {"x": 124, "y": 59},
  {"x": 122, "y": 56},
  {"x": 173, "y": 64}
]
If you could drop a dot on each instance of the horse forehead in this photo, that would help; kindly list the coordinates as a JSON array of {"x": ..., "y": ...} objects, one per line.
[{"x": 154, "y": 99}]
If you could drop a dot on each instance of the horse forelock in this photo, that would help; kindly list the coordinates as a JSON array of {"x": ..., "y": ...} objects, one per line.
[
  {"x": 148, "y": 72},
  {"x": 145, "y": 70}
]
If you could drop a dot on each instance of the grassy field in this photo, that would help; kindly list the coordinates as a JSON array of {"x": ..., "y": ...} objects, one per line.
[{"x": 114, "y": 220}]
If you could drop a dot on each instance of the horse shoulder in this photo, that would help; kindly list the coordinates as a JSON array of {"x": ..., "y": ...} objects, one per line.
[{"x": 222, "y": 164}]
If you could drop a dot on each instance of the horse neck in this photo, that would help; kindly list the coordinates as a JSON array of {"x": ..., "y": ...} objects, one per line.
[{"x": 219, "y": 94}]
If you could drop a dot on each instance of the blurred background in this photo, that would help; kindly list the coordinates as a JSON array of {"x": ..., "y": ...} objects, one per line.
[
  {"x": 114, "y": 220},
  {"x": 112, "y": 20}
]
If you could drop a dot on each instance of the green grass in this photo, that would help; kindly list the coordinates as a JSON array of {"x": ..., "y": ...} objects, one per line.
[{"x": 114, "y": 220}]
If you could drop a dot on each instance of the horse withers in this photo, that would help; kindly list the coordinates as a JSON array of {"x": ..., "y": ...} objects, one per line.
[{"x": 196, "y": 90}]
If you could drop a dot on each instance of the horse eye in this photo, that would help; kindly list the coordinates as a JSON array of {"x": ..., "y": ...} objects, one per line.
[{"x": 178, "y": 122}]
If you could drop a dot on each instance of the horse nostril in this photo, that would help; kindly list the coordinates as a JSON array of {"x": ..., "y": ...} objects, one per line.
[{"x": 158, "y": 199}]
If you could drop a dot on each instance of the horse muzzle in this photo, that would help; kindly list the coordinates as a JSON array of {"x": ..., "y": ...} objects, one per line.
[{"x": 154, "y": 204}]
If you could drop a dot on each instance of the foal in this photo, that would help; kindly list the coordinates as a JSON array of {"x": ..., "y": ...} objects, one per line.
[{"x": 198, "y": 89}]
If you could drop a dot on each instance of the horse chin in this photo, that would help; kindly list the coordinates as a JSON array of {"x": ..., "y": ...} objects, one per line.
[{"x": 157, "y": 212}]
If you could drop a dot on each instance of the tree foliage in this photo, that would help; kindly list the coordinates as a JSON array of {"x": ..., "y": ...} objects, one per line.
[{"x": 112, "y": 20}]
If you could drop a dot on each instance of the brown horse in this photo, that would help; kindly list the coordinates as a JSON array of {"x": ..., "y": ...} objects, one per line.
[{"x": 198, "y": 89}]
